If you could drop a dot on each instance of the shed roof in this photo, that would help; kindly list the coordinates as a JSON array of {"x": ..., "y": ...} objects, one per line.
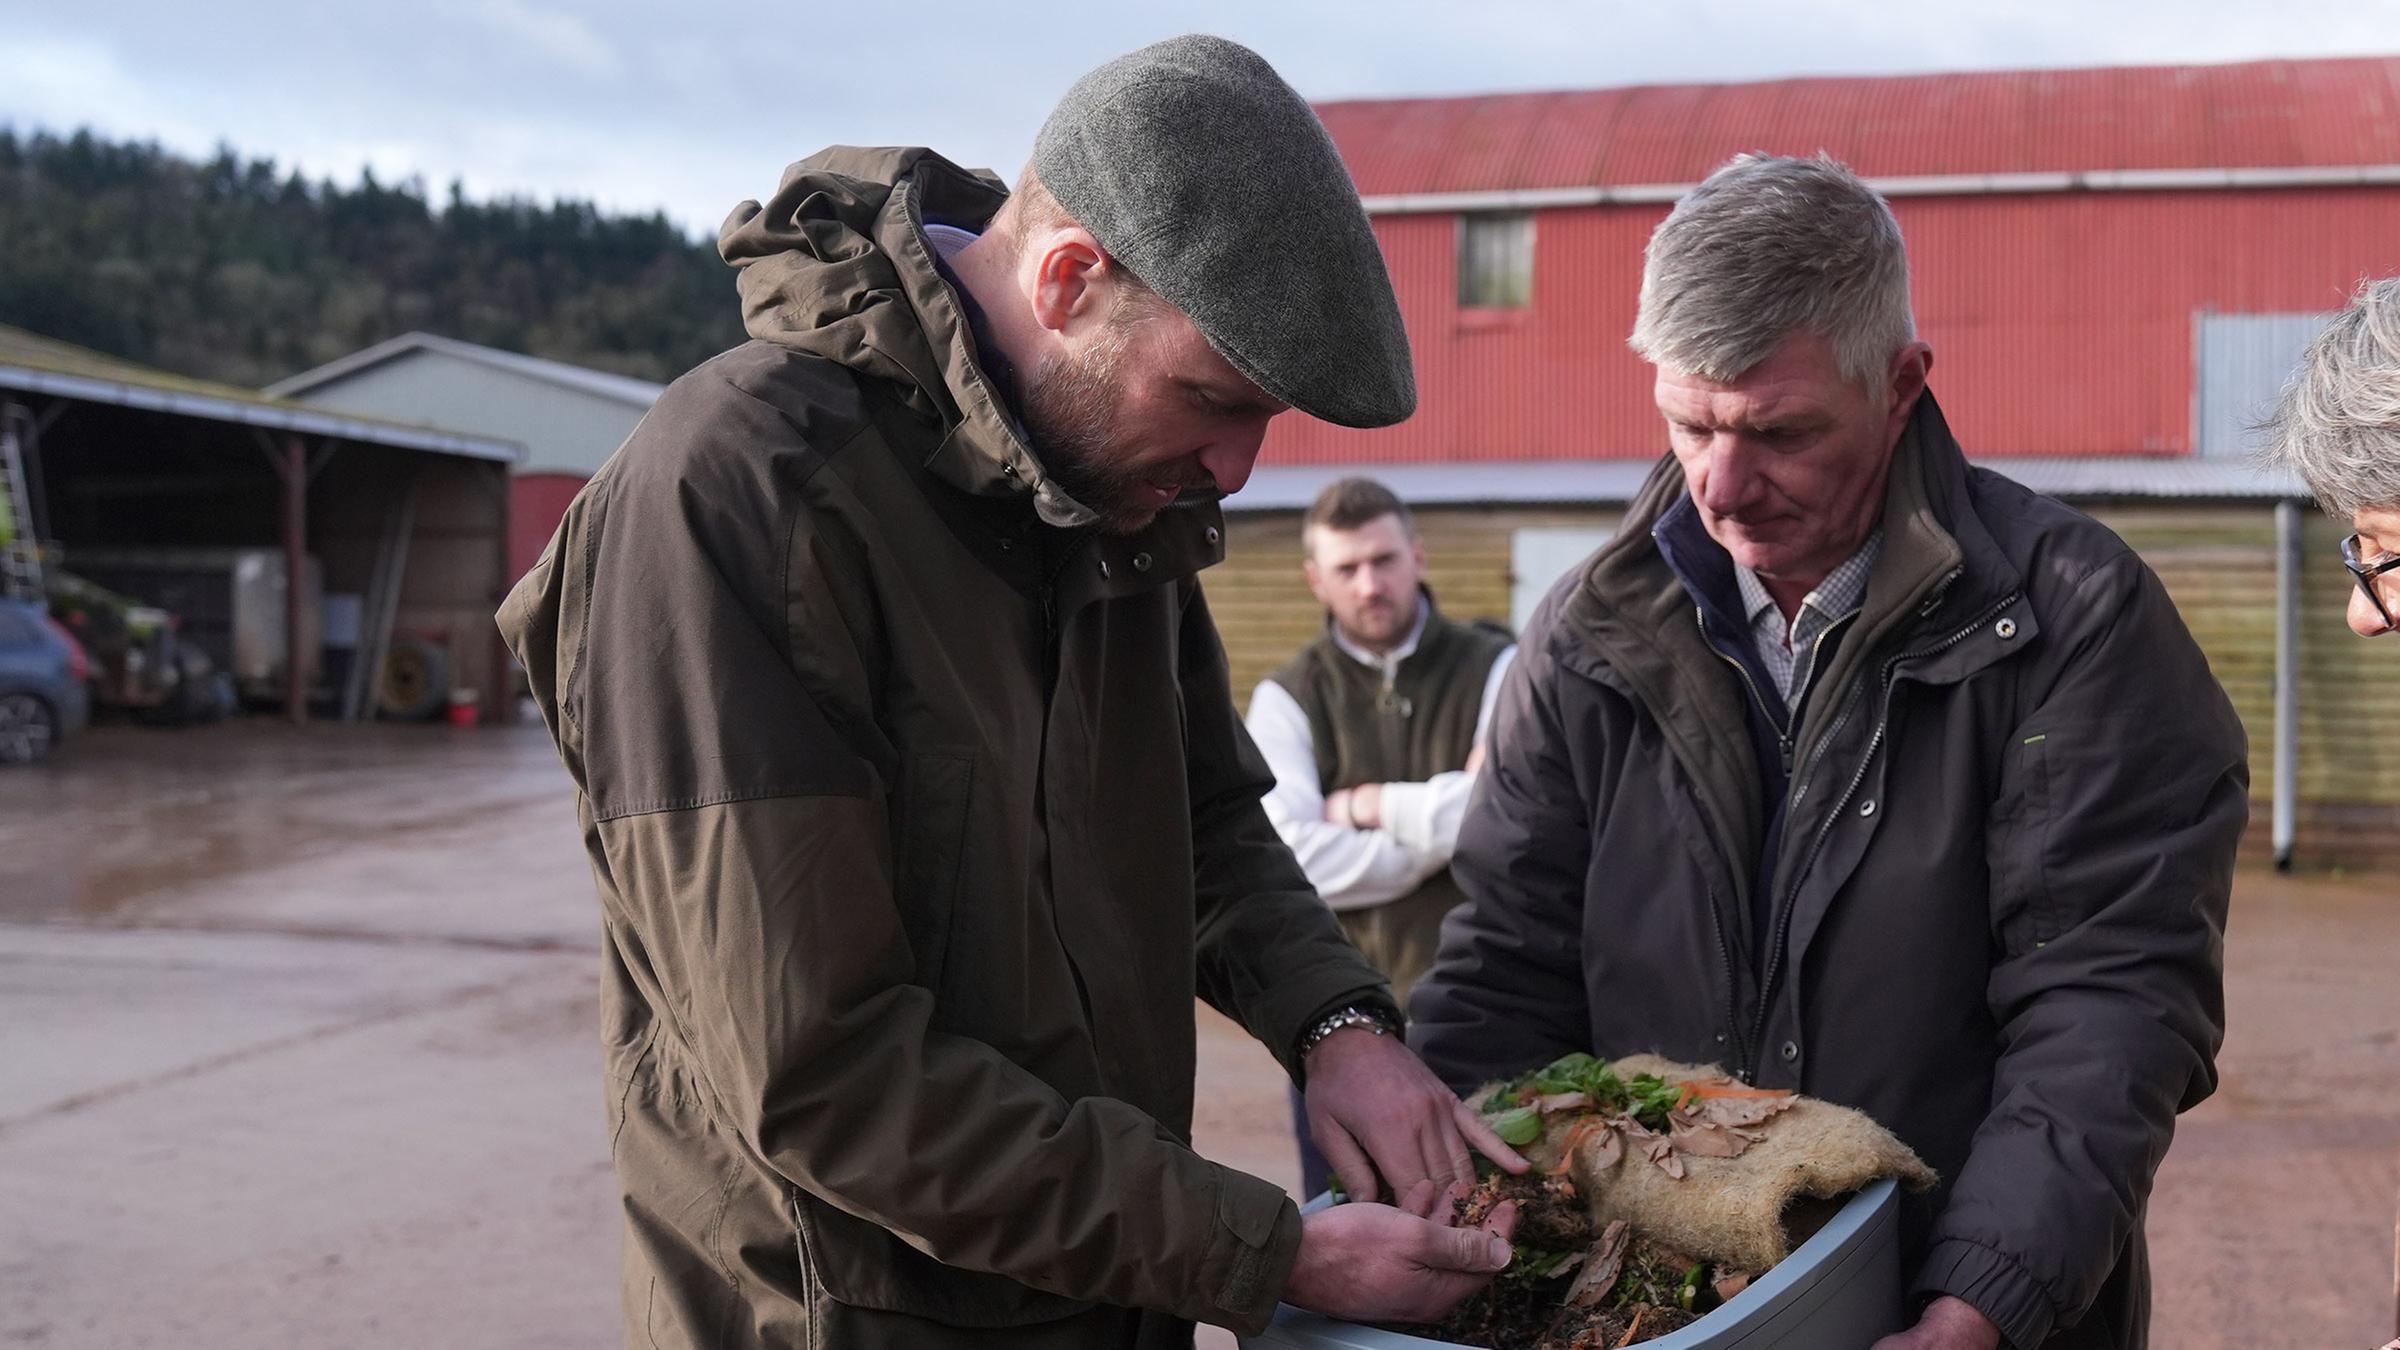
[
  {"x": 35, "y": 364},
  {"x": 2319, "y": 116},
  {"x": 599, "y": 383}
]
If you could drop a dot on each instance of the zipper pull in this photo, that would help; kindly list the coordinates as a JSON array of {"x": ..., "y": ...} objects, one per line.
[{"x": 1784, "y": 743}]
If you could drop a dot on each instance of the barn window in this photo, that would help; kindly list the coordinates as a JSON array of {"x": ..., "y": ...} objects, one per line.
[
  {"x": 1495, "y": 260},
  {"x": 2242, "y": 363}
]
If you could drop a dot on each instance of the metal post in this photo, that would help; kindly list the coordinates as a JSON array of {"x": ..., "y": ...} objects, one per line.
[
  {"x": 295, "y": 578},
  {"x": 2287, "y": 680}
]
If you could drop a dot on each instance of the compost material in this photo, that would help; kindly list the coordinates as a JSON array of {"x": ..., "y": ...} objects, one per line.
[{"x": 1658, "y": 1192}]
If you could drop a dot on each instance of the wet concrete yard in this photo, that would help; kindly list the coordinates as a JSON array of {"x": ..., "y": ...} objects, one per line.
[{"x": 297, "y": 1048}]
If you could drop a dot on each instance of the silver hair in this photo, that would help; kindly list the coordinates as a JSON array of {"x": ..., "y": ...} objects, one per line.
[
  {"x": 1767, "y": 247},
  {"x": 2338, "y": 427}
]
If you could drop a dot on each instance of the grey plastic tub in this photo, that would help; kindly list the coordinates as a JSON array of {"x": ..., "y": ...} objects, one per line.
[{"x": 1840, "y": 1291}]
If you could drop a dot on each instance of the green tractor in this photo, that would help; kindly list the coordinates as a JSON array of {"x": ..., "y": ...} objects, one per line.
[{"x": 139, "y": 667}]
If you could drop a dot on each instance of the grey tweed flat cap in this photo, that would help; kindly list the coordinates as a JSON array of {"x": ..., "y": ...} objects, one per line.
[{"x": 1213, "y": 181}]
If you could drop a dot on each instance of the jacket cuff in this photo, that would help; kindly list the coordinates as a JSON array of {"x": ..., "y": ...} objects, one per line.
[
  {"x": 1375, "y": 997},
  {"x": 1251, "y": 1254},
  {"x": 1993, "y": 1284}
]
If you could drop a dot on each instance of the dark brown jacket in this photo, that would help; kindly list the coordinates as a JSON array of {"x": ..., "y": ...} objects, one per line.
[
  {"x": 2001, "y": 890},
  {"x": 917, "y": 823}
]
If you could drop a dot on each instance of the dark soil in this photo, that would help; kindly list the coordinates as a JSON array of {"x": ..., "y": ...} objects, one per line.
[
  {"x": 1523, "y": 1309},
  {"x": 1550, "y": 1215},
  {"x": 1528, "y": 1316}
]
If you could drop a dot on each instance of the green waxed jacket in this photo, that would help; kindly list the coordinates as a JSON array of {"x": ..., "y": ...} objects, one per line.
[{"x": 918, "y": 822}]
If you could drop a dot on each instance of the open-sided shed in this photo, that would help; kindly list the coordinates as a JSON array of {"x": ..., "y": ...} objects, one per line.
[{"x": 411, "y": 519}]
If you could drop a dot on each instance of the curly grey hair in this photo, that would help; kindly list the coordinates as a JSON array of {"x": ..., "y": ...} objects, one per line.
[
  {"x": 1767, "y": 247},
  {"x": 2338, "y": 427}
]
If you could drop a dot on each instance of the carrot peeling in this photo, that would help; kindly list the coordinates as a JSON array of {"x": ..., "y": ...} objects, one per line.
[{"x": 1735, "y": 1090}]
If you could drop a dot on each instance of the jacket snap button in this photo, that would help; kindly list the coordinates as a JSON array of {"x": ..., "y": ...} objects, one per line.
[
  {"x": 1867, "y": 807},
  {"x": 1791, "y": 1051},
  {"x": 1214, "y": 534},
  {"x": 1721, "y": 1038},
  {"x": 1141, "y": 562},
  {"x": 2006, "y": 628},
  {"x": 1104, "y": 569}
]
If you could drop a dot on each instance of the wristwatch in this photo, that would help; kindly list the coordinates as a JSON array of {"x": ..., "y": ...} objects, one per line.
[{"x": 1356, "y": 1015}]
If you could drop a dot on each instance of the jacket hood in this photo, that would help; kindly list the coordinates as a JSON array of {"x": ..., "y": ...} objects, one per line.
[{"x": 837, "y": 264}]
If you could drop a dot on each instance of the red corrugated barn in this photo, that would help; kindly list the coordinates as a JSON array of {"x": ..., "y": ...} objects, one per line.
[
  {"x": 2068, "y": 230},
  {"x": 2115, "y": 268}
]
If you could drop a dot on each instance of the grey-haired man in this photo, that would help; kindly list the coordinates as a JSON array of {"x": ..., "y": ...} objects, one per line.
[
  {"x": 909, "y": 772},
  {"x": 1932, "y": 811}
]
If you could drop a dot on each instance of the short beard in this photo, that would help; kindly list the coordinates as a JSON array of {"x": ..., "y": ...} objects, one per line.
[
  {"x": 1070, "y": 413},
  {"x": 1400, "y": 616}
]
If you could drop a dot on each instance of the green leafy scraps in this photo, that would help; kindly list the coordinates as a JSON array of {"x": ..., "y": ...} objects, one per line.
[
  {"x": 1518, "y": 1126},
  {"x": 1647, "y": 1098}
]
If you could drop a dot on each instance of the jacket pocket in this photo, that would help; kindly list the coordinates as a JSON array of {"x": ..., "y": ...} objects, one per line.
[
  {"x": 931, "y": 842},
  {"x": 854, "y": 1262},
  {"x": 2023, "y": 915}
]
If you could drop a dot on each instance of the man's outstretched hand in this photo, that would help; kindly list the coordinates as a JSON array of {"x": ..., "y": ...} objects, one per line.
[
  {"x": 1373, "y": 1107},
  {"x": 1377, "y": 1263}
]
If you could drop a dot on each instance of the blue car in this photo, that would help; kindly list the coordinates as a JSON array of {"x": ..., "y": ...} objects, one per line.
[{"x": 42, "y": 674}]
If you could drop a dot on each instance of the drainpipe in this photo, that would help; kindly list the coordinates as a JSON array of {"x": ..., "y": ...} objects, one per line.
[{"x": 2287, "y": 680}]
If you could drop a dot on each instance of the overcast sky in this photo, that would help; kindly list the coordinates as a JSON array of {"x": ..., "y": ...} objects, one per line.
[{"x": 640, "y": 106}]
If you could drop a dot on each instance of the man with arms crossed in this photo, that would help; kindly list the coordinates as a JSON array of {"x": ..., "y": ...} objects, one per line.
[{"x": 1372, "y": 732}]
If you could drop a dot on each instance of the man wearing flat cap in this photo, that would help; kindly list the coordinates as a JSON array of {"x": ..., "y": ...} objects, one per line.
[{"x": 909, "y": 775}]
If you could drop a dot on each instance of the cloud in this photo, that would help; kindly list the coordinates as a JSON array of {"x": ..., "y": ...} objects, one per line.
[
  {"x": 64, "y": 83},
  {"x": 561, "y": 36},
  {"x": 640, "y": 105}
]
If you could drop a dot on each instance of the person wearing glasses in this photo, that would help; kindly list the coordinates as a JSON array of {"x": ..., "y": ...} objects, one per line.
[{"x": 2339, "y": 430}]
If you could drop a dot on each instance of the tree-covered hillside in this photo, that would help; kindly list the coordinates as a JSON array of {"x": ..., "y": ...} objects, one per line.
[{"x": 230, "y": 270}]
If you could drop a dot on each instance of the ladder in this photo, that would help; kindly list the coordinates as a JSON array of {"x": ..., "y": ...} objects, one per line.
[{"x": 20, "y": 553}]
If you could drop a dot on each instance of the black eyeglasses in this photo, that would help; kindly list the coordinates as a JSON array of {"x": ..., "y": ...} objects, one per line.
[{"x": 2365, "y": 573}]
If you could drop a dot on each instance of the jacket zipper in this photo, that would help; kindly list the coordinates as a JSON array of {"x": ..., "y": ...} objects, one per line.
[
  {"x": 1783, "y": 913},
  {"x": 1051, "y": 663},
  {"x": 1716, "y": 920},
  {"x": 1052, "y": 566},
  {"x": 1940, "y": 589},
  {"x": 1783, "y": 729},
  {"x": 1784, "y": 746},
  {"x": 1733, "y": 1007}
]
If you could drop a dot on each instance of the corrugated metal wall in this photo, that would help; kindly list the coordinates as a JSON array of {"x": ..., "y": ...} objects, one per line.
[
  {"x": 2258, "y": 113},
  {"x": 563, "y": 428},
  {"x": 2244, "y": 360},
  {"x": 536, "y": 503},
  {"x": 2217, "y": 561},
  {"x": 2062, "y": 324}
]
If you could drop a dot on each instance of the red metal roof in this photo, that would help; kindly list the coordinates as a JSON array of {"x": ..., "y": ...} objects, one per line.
[{"x": 2260, "y": 114}]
